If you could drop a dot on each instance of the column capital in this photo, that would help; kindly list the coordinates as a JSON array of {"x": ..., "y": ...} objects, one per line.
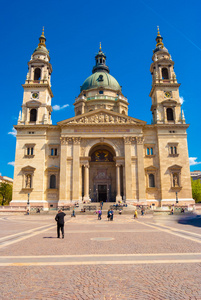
[
  {"x": 140, "y": 140},
  {"x": 129, "y": 139},
  {"x": 65, "y": 140},
  {"x": 76, "y": 140}
]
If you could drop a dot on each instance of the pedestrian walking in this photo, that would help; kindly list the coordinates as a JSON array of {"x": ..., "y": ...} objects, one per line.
[
  {"x": 111, "y": 215},
  {"x": 135, "y": 214},
  {"x": 60, "y": 223},
  {"x": 73, "y": 213},
  {"x": 108, "y": 214},
  {"x": 99, "y": 214}
]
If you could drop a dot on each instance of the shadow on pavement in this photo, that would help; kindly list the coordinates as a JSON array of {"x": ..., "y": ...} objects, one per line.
[
  {"x": 193, "y": 220},
  {"x": 49, "y": 237}
]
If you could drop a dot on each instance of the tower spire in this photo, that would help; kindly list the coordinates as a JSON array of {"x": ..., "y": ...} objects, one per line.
[
  {"x": 42, "y": 39},
  {"x": 159, "y": 39}
]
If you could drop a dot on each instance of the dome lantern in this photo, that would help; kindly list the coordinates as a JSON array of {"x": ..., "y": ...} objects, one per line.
[{"x": 100, "y": 59}]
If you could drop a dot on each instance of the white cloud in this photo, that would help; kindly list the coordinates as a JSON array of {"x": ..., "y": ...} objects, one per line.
[
  {"x": 58, "y": 107},
  {"x": 193, "y": 162},
  {"x": 13, "y": 132},
  {"x": 181, "y": 99},
  {"x": 11, "y": 163}
]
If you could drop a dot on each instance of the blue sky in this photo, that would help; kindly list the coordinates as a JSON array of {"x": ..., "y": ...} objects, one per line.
[{"x": 73, "y": 29}]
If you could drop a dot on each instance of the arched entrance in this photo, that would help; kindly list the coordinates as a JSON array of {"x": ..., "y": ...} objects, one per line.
[{"x": 102, "y": 174}]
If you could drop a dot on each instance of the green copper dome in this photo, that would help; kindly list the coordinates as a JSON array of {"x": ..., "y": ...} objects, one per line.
[{"x": 101, "y": 79}]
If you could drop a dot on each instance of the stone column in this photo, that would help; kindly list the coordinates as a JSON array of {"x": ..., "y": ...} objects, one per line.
[
  {"x": 63, "y": 172},
  {"x": 124, "y": 184},
  {"x": 140, "y": 170},
  {"x": 165, "y": 114},
  {"x": 86, "y": 182},
  {"x": 128, "y": 168},
  {"x": 76, "y": 168},
  {"x": 118, "y": 196}
]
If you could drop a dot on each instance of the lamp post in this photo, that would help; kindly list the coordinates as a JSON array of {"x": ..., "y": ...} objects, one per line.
[
  {"x": 177, "y": 201},
  {"x": 28, "y": 199},
  {"x": 97, "y": 194}
]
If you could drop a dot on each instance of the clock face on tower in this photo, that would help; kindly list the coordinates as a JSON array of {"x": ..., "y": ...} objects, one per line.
[
  {"x": 168, "y": 94},
  {"x": 35, "y": 95}
]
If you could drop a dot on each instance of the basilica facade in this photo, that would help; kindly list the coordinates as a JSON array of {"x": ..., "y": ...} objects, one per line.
[{"x": 101, "y": 153}]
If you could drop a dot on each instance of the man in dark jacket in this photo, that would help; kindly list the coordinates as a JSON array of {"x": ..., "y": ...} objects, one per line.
[{"x": 60, "y": 223}]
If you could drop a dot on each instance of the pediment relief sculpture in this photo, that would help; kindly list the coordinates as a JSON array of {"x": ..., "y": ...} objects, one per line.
[{"x": 102, "y": 118}]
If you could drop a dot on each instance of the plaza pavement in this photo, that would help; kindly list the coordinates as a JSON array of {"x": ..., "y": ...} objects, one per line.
[{"x": 148, "y": 258}]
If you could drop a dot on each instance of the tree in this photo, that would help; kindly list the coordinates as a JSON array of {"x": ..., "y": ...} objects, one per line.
[
  {"x": 196, "y": 190},
  {"x": 5, "y": 192}
]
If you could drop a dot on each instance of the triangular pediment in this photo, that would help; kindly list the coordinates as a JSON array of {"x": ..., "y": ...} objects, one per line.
[
  {"x": 175, "y": 167},
  {"x": 101, "y": 116},
  {"x": 28, "y": 169},
  {"x": 151, "y": 168},
  {"x": 33, "y": 103}
]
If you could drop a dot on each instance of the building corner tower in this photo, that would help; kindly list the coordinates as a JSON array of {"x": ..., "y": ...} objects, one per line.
[{"x": 170, "y": 124}]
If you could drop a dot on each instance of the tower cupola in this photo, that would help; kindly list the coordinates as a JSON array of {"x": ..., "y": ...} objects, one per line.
[
  {"x": 100, "y": 62},
  {"x": 36, "y": 107},
  {"x": 166, "y": 106}
]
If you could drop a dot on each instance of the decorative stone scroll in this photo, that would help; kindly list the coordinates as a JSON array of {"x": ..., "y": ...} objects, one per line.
[{"x": 102, "y": 118}]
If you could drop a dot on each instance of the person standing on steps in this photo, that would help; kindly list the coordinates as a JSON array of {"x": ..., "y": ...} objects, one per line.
[{"x": 60, "y": 223}]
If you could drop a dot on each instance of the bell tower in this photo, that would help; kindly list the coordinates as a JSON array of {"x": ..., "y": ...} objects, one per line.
[
  {"x": 36, "y": 107},
  {"x": 166, "y": 106}
]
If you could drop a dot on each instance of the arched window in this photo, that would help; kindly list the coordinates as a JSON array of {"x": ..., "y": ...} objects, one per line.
[
  {"x": 33, "y": 115},
  {"x": 78, "y": 112},
  {"x": 170, "y": 116},
  {"x": 151, "y": 180},
  {"x": 37, "y": 74},
  {"x": 165, "y": 73},
  {"x": 123, "y": 112},
  {"x": 53, "y": 182}
]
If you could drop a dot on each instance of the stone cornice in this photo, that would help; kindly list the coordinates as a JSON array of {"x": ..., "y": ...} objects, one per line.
[
  {"x": 39, "y": 85},
  {"x": 37, "y": 126},
  {"x": 171, "y": 126},
  {"x": 163, "y": 84}
]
